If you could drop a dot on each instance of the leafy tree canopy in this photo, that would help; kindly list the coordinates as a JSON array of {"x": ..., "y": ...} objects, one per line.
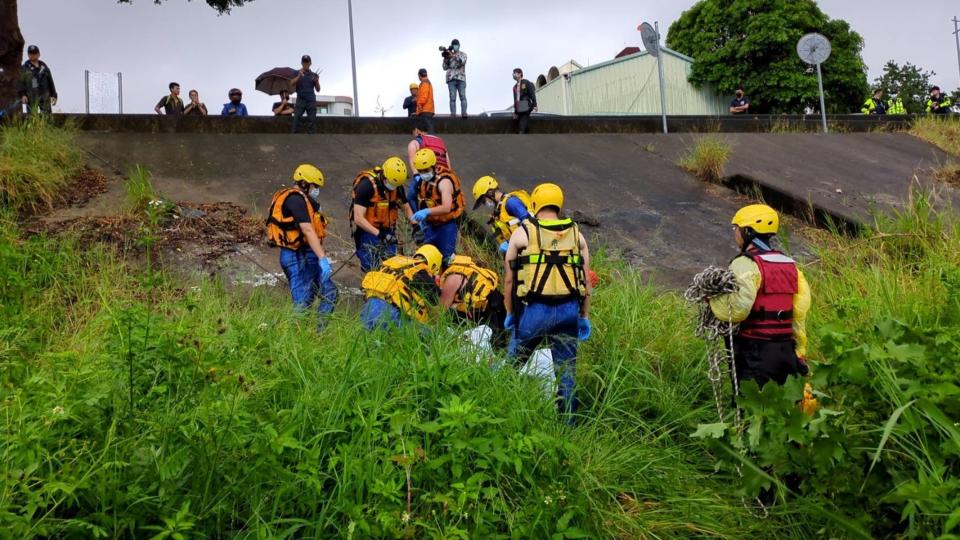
[
  {"x": 912, "y": 81},
  {"x": 222, "y": 6},
  {"x": 752, "y": 43}
]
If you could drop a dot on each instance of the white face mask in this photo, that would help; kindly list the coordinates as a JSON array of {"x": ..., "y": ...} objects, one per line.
[
  {"x": 389, "y": 185},
  {"x": 314, "y": 194},
  {"x": 426, "y": 176},
  {"x": 489, "y": 204}
]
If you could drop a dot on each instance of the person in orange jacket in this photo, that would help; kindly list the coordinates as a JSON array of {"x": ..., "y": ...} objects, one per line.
[{"x": 425, "y": 108}]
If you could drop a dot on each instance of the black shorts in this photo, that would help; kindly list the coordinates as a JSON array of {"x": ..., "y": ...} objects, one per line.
[{"x": 764, "y": 361}]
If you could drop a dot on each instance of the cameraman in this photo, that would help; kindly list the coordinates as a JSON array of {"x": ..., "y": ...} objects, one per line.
[{"x": 455, "y": 63}]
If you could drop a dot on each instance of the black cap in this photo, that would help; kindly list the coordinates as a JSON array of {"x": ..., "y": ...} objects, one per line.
[
  {"x": 235, "y": 92},
  {"x": 422, "y": 72},
  {"x": 33, "y": 49},
  {"x": 305, "y": 58},
  {"x": 935, "y": 89},
  {"x": 454, "y": 42}
]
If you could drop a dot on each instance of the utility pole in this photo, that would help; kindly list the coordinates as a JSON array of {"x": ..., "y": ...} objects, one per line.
[
  {"x": 956, "y": 32},
  {"x": 353, "y": 59}
]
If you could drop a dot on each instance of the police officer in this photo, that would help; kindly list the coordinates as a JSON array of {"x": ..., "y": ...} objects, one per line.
[
  {"x": 548, "y": 294},
  {"x": 441, "y": 203},
  {"x": 509, "y": 210},
  {"x": 875, "y": 104},
  {"x": 378, "y": 197},
  {"x": 771, "y": 303},
  {"x": 895, "y": 105},
  {"x": 939, "y": 103},
  {"x": 402, "y": 289},
  {"x": 297, "y": 226}
]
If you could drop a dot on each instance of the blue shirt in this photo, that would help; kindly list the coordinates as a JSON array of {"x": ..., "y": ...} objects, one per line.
[
  {"x": 306, "y": 88},
  {"x": 229, "y": 109}
]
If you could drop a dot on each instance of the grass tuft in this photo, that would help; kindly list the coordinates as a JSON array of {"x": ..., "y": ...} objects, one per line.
[
  {"x": 37, "y": 161},
  {"x": 707, "y": 160},
  {"x": 943, "y": 133}
]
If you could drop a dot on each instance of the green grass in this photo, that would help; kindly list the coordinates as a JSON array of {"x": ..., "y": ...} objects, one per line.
[
  {"x": 37, "y": 160},
  {"x": 941, "y": 132},
  {"x": 707, "y": 160}
]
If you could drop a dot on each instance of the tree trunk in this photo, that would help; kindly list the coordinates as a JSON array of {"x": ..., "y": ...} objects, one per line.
[{"x": 11, "y": 52}]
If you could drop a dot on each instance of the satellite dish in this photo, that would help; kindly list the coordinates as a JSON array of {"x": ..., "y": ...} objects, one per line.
[
  {"x": 651, "y": 39},
  {"x": 814, "y": 48}
]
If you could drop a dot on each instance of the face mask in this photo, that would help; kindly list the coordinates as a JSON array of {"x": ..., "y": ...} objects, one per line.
[
  {"x": 314, "y": 193},
  {"x": 456, "y": 48},
  {"x": 739, "y": 95},
  {"x": 426, "y": 176},
  {"x": 389, "y": 185}
]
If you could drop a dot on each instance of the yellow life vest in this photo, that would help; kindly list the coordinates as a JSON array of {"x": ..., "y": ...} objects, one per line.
[
  {"x": 429, "y": 196},
  {"x": 391, "y": 283},
  {"x": 550, "y": 268},
  {"x": 478, "y": 283},
  {"x": 502, "y": 222},
  {"x": 283, "y": 231}
]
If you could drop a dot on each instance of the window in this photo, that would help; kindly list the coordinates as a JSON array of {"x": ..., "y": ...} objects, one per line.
[{"x": 324, "y": 109}]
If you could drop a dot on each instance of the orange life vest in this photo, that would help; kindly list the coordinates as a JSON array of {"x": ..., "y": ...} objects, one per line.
[
  {"x": 384, "y": 205},
  {"x": 283, "y": 231},
  {"x": 428, "y": 195}
]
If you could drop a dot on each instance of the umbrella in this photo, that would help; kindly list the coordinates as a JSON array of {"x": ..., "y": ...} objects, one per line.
[{"x": 276, "y": 80}]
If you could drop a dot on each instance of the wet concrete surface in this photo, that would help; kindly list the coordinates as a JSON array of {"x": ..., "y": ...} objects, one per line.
[{"x": 649, "y": 211}]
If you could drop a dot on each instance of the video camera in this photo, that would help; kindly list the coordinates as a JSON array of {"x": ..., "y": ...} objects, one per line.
[{"x": 445, "y": 51}]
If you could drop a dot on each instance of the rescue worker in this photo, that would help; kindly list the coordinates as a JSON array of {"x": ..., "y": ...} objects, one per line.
[
  {"x": 402, "y": 289},
  {"x": 509, "y": 210},
  {"x": 378, "y": 197},
  {"x": 895, "y": 105},
  {"x": 440, "y": 200},
  {"x": 470, "y": 290},
  {"x": 548, "y": 295},
  {"x": 875, "y": 104},
  {"x": 297, "y": 226},
  {"x": 939, "y": 103},
  {"x": 771, "y": 304},
  {"x": 422, "y": 139}
]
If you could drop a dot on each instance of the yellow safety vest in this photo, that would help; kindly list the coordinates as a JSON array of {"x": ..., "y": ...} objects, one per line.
[
  {"x": 391, "y": 283},
  {"x": 478, "y": 283},
  {"x": 503, "y": 223},
  {"x": 550, "y": 268}
]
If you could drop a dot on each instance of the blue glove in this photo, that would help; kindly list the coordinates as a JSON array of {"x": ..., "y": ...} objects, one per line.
[
  {"x": 517, "y": 209},
  {"x": 503, "y": 248},
  {"x": 584, "y": 329},
  {"x": 416, "y": 179},
  {"x": 325, "y": 270},
  {"x": 421, "y": 215},
  {"x": 509, "y": 323}
]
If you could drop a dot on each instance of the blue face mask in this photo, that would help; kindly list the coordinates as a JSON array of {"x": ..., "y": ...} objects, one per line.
[
  {"x": 456, "y": 48},
  {"x": 314, "y": 194},
  {"x": 426, "y": 176},
  {"x": 389, "y": 185}
]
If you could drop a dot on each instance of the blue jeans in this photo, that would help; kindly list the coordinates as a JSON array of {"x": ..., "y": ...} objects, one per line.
[
  {"x": 458, "y": 87},
  {"x": 310, "y": 108},
  {"x": 371, "y": 251},
  {"x": 377, "y": 313},
  {"x": 302, "y": 269},
  {"x": 443, "y": 236},
  {"x": 557, "y": 325}
]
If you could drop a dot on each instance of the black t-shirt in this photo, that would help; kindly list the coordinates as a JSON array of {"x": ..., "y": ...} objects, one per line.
[
  {"x": 285, "y": 111},
  {"x": 171, "y": 105},
  {"x": 295, "y": 206},
  {"x": 364, "y": 193},
  {"x": 740, "y": 103}
]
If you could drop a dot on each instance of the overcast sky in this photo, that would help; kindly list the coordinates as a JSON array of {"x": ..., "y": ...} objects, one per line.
[{"x": 187, "y": 42}]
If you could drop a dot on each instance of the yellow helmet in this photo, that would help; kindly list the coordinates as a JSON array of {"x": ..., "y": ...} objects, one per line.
[
  {"x": 546, "y": 195},
  {"x": 309, "y": 174},
  {"x": 414, "y": 86},
  {"x": 395, "y": 170},
  {"x": 433, "y": 257},
  {"x": 483, "y": 185},
  {"x": 424, "y": 159},
  {"x": 759, "y": 217}
]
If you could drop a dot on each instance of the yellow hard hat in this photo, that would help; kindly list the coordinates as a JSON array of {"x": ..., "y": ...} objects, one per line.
[
  {"x": 309, "y": 174},
  {"x": 414, "y": 86},
  {"x": 483, "y": 185},
  {"x": 759, "y": 217},
  {"x": 424, "y": 159},
  {"x": 395, "y": 170},
  {"x": 433, "y": 257},
  {"x": 546, "y": 195}
]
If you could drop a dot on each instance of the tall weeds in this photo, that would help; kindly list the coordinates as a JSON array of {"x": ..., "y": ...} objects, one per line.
[{"x": 37, "y": 160}]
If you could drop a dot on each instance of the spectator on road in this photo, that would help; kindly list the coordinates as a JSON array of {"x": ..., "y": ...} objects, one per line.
[
  {"x": 234, "y": 107},
  {"x": 939, "y": 103},
  {"x": 307, "y": 84},
  {"x": 410, "y": 103},
  {"x": 196, "y": 107},
  {"x": 37, "y": 90},
  {"x": 283, "y": 107},
  {"x": 875, "y": 104},
  {"x": 425, "y": 108},
  {"x": 171, "y": 104},
  {"x": 455, "y": 64},
  {"x": 740, "y": 103},
  {"x": 524, "y": 101}
]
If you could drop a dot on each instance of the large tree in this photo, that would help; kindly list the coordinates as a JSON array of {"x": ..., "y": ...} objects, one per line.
[
  {"x": 912, "y": 82},
  {"x": 11, "y": 43},
  {"x": 753, "y": 43}
]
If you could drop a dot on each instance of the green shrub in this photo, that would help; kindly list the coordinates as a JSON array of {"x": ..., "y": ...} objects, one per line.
[
  {"x": 37, "y": 160},
  {"x": 708, "y": 158}
]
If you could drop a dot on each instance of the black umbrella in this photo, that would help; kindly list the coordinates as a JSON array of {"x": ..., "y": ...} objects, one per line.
[{"x": 276, "y": 80}]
